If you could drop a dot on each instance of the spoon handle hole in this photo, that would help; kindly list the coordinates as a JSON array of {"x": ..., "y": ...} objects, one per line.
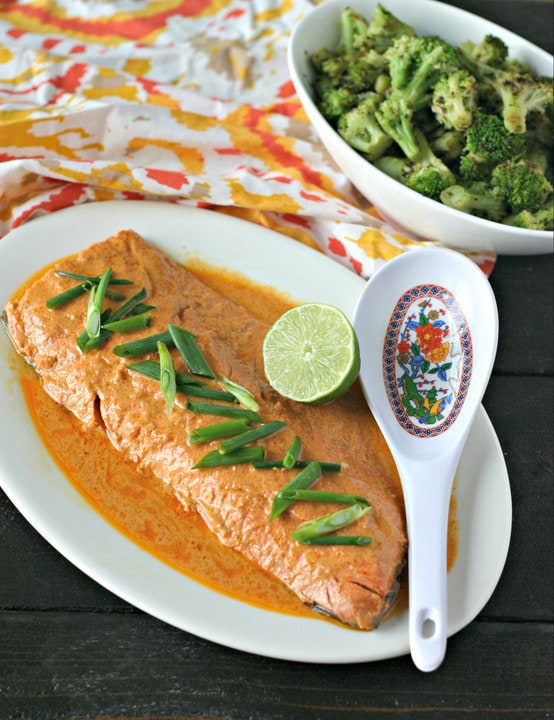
[{"x": 428, "y": 628}]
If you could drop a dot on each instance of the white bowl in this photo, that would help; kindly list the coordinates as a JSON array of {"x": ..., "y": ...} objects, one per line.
[{"x": 400, "y": 206}]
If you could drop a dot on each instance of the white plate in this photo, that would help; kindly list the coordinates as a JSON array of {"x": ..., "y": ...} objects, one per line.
[{"x": 49, "y": 502}]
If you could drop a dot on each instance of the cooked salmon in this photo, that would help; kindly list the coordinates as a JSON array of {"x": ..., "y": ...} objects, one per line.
[{"x": 356, "y": 585}]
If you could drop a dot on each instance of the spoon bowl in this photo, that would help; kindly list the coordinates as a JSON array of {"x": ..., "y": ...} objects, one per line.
[{"x": 427, "y": 326}]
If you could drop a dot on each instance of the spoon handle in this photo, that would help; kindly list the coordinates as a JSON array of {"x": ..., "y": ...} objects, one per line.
[{"x": 427, "y": 493}]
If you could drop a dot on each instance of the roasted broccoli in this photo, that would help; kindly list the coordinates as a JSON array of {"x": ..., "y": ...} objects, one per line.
[
  {"x": 395, "y": 115},
  {"x": 426, "y": 173},
  {"x": 384, "y": 27},
  {"x": 543, "y": 219},
  {"x": 467, "y": 126},
  {"x": 521, "y": 95},
  {"x": 416, "y": 64},
  {"x": 353, "y": 31},
  {"x": 334, "y": 101},
  {"x": 454, "y": 100},
  {"x": 522, "y": 185},
  {"x": 476, "y": 199},
  {"x": 360, "y": 128},
  {"x": 488, "y": 143},
  {"x": 484, "y": 57}
]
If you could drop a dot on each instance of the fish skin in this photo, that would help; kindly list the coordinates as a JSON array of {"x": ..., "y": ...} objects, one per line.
[{"x": 353, "y": 584}]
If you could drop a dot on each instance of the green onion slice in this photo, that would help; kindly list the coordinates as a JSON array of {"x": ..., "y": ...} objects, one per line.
[
  {"x": 322, "y": 496},
  {"x": 151, "y": 369},
  {"x": 302, "y": 481},
  {"x": 185, "y": 343},
  {"x": 94, "y": 307},
  {"x": 128, "y": 324},
  {"x": 298, "y": 465},
  {"x": 257, "y": 433},
  {"x": 329, "y": 523},
  {"x": 144, "y": 345},
  {"x": 205, "y": 392},
  {"x": 291, "y": 456},
  {"x": 227, "y": 428},
  {"x": 243, "y": 396},
  {"x": 127, "y": 307},
  {"x": 240, "y": 456},
  {"x": 337, "y": 540},
  {"x": 67, "y": 295},
  {"x": 93, "y": 280},
  {"x": 223, "y": 410},
  {"x": 167, "y": 377}
]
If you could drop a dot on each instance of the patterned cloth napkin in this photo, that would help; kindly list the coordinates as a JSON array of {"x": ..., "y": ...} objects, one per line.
[{"x": 182, "y": 101}]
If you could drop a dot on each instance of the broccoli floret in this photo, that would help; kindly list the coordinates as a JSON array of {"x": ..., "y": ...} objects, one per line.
[
  {"x": 543, "y": 219},
  {"x": 395, "y": 115},
  {"x": 455, "y": 100},
  {"x": 353, "y": 31},
  {"x": 361, "y": 72},
  {"x": 522, "y": 185},
  {"x": 396, "y": 167},
  {"x": 427, "y": 180},
  {"x": 384, "y": 27},
  {"x": 334, "y": 101},
  {"x": 360, "y": 129},
  {"x": 427, "y": 175},
  {"x": 477, "y": 199},
  {"x": 520, "y": 95},
  {"x": 447, "y": 144},
  {"x": 483, "y": 57},
  {"x": 488, "y": 143},
  {"x": 416, "y": 64}
]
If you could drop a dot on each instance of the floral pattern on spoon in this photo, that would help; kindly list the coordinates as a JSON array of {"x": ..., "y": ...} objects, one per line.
[{"x": 427, "y": 360}]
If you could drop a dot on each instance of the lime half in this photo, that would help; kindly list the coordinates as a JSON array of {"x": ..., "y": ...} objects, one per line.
[{"x": 311, "y": 353}]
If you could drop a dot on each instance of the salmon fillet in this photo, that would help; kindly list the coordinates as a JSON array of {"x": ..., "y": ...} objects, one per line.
[{"x": 356, "y": 585}]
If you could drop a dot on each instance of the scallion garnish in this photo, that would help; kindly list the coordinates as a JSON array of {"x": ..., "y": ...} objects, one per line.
[
  {"x": 87, "y": 343},
  {"x": 242, "y": 455},
  {"x": 323, "y": 496},
  {"x": 337, "y": 540},
  {"x": 257, "y": 433},
  {"x": 244, "y": 396},
  {"x": 302, "y": 481},
  {"x": 67, "y": 295},
  {"x": 329, "y": 523},
  {"x": 291, "y": 456},
  {"x": 128, "y": 324},
  {"x": 151, "y": 369},
  {"x": 144, "y": 345},
  {"x": 223, "y": 410},
  {"x": 127, "y": 307},
  {"x": 298, "y": 465},
  {"x": 227, "y": 428},
  {"x": 94, "y": 307},
  {"x": 167, "y": 377},
  {"x": 93, "y": 280},
  {"x": 207, "y": 393},
  {"x": 186, "y": 344}
]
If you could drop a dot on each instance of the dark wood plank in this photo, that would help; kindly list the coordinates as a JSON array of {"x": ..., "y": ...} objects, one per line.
[
  {"x": 532, "y": 19},
  {"x": 64, "y": 665},
  {"x": 523, "y": 290}
]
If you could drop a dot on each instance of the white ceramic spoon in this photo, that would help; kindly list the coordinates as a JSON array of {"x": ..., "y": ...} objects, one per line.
[{"x": 427, "y": 324}]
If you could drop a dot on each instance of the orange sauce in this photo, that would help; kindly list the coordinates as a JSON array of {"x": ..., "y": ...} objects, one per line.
[{"x": 143, "y": 508}]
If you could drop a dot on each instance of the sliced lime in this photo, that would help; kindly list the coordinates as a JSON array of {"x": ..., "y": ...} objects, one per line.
[{"x": 311, "y": 353}]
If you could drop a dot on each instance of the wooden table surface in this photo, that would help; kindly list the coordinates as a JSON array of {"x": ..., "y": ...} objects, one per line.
[{"x": 70, "y": 649}]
